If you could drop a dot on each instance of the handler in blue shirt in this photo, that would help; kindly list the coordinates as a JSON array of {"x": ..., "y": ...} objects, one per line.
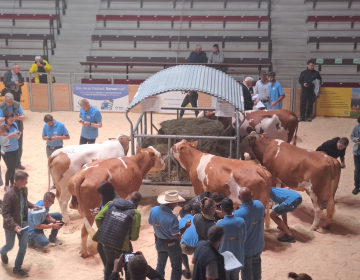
[
  {"x": 286, "y": 201},
  {"x": 276, "y": 92},
  {"x": 54, "y": 133},
  {"x": 235, "y": 236},
  {"x": 252, "y": 211},
  {"x": 40, "y": 220},
  {"x": 90, "y": 118},
  {"x": 167, "y": 233}
]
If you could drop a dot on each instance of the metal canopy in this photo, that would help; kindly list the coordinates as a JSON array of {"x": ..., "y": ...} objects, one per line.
[{"x": 194, "y": 78}]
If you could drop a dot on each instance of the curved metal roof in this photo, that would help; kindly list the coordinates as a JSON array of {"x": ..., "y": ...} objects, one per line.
[{"x": 192, "y": 77}]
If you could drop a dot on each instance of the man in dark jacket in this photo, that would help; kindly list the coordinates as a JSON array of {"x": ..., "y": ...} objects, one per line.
[
  {"x": 209, "y": 263},
  {"x": 335, "y": 148},
  {"x": 307, "y": 80},
  {"x": 15, "y": 211},
  {"x": 13, "y": 81},
  {"x": 247, "y": 93}
]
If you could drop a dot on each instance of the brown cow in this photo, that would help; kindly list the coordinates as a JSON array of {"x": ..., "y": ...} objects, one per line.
[
  {"x": 124, "y": 173},
  {"x": 223, "y": 175},
  {"x": 302, "y": 170}
]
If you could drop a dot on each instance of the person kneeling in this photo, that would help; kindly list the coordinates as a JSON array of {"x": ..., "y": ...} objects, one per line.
[{"x": 40, "y": 219}]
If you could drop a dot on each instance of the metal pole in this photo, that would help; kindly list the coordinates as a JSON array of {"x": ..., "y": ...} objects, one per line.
[
  {"x": 131, "y": 133},
  {"x": 51, "y": 96},
  {"x": 237, "y": 134},
  {"x": 169, "y": 160},
  {"x": 151, "y": 122},
  {"x": 145, "y": 123},
  {"x": 30, "y": 94}
]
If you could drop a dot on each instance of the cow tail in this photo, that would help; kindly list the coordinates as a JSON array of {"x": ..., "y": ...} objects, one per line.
[
  {"x": 50, "y": 160},
  {"x": 295, "y": 135},
  {"x": 267, "y": 181}
]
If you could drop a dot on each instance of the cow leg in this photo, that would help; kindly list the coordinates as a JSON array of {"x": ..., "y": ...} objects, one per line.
[
  {"x": 84, "y": 235},
  {"x": 317, "y": 211},
  {"x": 63, "y": 202},
  {"x": 330, "y": 210}
]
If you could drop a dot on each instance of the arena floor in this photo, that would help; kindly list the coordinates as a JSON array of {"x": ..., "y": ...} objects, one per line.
[{"x": 324, "y": 255}]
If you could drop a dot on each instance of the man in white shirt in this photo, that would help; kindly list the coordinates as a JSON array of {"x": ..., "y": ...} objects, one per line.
[{"x": 262, "y": 89}]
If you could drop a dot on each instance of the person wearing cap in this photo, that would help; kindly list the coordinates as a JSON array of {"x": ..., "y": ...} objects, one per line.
[
  {"x": 91, "y": 120},
  {"x": 262, "y": 89},
  {"x": 253, "y": 212},
  {"x": 42, "y": 68},
  {"x": 217, "y": 57},
  {"x": 276, "y": 92},
  {"x": 205, "y": 220},
  {"x": 168, "y": 233},
  {"x": 235, "y": 236},
  {"x": 286, "y": 201}
]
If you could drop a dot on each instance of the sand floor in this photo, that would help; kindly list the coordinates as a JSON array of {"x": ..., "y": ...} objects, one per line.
[{"x": 324, "y": 255}]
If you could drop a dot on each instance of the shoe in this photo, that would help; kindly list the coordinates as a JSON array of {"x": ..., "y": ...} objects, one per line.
[
  {"x": 287, "y": 238},
  {"x": 20, "y": 167},
  {"x": 53, "y": 187},
  {"x": 20, "y": 272},
  {"x": 308, "y": 119},
  {"x": 301, "y": 119},
  {"x": 55, "y": 241},
  {"x": 186, "y": 274},
  {"x": 6, "y": 188},
  {"x": 356, "y": 191},
  {"x": 4, "y": 259},
  {"x": 31, "y": 243},
  {"x": 281, "y": 229},
  {"x": 324, "y": 204}
]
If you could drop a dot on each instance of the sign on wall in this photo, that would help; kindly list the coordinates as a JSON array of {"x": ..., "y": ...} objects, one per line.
[
  {"x": 334, "y": 102},
  {"x": 106, "y": 98},
  {"x": 173, "y": 99}
]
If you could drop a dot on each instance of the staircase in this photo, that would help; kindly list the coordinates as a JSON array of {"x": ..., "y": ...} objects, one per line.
[{"x": 289, "y": 37}]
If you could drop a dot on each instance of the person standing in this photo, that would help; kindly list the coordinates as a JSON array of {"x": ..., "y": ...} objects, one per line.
[
  {"x": 42, "y": 68},
  {"x": 235, "y": 236},
  {"x": 4, "y": 142},
  {"x": 355, "y": 137},
  {"x": 216, "y": 57},
  {"x": 90, "y": 118},
  {"x": 54, "y": 133},
  {"x": 247, "y": 91},
  {"x": 13, "y": 81},
  {"x": 167, "y": 233},
  {"x": 15, "y": 221},
  {"x": 253, "y": 212},
  {"x": 204, "y": 220},
  {"x": 9, "y": 105},
  {"x": 307, "y": 81},
  {"x": 276, "y": 92},
  {"x": 335, "y": 148},
  {"x": 262, "y": 89}
]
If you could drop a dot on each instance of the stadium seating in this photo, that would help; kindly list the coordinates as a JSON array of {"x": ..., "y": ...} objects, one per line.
[
  {"x": 349, "y": 2},
  {"x": 345, "y": 65},
  {"x": 17, "y": 58},
  {"x": 333, "y": 19}
]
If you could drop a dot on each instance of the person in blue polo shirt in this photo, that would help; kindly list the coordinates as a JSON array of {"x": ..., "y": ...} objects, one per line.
[
  {"x": 54, "y": 133},
  {"x": 235, "y": 236},
  {"x": 40, "y": 220},
  {"x": 90, "y": 118},
  {"x": 276, "y": 92},
  {"x": 286, "y": 201},
  {"x": 189, "y": 239},
  {"x": 252, "y": 211},
  {"x": 167, "y": 233}
]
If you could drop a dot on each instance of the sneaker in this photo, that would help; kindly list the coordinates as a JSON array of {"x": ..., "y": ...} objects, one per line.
[
  {"x": 20, "y": 272},
  {"x": 301, "y": 119},
  {"x": 279, "y": 228},
  {"x": 6, "y": 188},
  {"x": 55, "y": 241},
  {"x": 308, "y": 119},
  {"x": 31, "y": 243},
  {"x": 356, "y": 191},
  {"x": 4, "y": 259},
  {"x": 186, "y": 274},
  {"x": 20, "y": 167},
  {"x": 287, "y": 238}
]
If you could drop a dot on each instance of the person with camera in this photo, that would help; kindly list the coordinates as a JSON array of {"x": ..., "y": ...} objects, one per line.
[
  {"x": 13, "y": 81},
  {"x": 40, "y": 219},
  {"x": 90, "y": 118},
  {"x": 42, "y": 68}
]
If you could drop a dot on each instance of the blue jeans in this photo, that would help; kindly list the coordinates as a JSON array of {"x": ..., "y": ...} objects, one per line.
[
  {"x": 10, "y": 240},
  {"x": 38, "y": 235},
  {"x": 175, "y": 255},
  {"x": 233, "y": 274},
  {"x": 252, "y": 267},
  {"x": 357, "y": 171}
]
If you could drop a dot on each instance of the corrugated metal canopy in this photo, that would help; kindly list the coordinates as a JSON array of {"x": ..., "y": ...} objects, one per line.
[{"x": 192, "y": 77}]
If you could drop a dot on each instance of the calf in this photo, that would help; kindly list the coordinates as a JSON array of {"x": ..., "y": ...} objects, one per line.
[
  {"x": 124, "y": 173},
  {"x": 209, "y": 173},
  {"x": 302, "y": 170}
]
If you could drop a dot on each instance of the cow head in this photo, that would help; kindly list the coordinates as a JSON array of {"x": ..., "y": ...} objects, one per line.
[
  {"x": 181, "y": 147},
  {"x": 124, "y": 142},
  {"x": 248, "y": 142},
  {"x": 155, "y": 156}
]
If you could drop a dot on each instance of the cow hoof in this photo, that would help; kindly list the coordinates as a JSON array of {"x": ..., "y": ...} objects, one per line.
[
  {"x": 314, "y": 228},
  {"x": 84, "y": 255},
  {"x": 327, "y": 227}
]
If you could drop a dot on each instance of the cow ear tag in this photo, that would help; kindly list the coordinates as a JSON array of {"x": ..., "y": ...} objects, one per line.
[{"x": 193, "y": 145}]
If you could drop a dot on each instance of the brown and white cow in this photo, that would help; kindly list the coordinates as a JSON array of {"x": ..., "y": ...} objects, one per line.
[
  {"x": 65, "y": 162},
  {"x": 124, "y": 173},
  {"x": 302, "y": 170},
  {"x": 209, "y": 173}
]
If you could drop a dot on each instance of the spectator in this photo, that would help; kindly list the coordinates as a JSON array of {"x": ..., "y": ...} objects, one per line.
[
  {"x": 335, "y": 148},
  {"x": 262, "y": 89},
  {"x": 252, "y": 211},
  {"x": 167, "y": 233},
  {"x": 209, "y": 263},
  {"x": 115, "y": 234},
  {"x": 235, "y": 236},
  {"x": 13, "y": 81},
  {"x": 40, "y": 220},
  {"x": 4, "y": 129},
  {"x": 11, "y": 154},
  {"x": 189, "y": 239},
  {"x": 217, "y": 57},
  {"x": 307, "y": 81},
  {"x": 206, "y": 219},
  {"x": 54, "y": 133},
  {"x": 301, "y": 276},
  {"x": 198, "y": 56},
  {"x": 355, "y": 137},
  {"x": 41, "y": 67},
  {"x": 276, "y": 92},
  {"x": 90, "y": 118},
  {"x": 9, "y": 105},
  {"x": 286, "y": 201},
  {"x": 247, "y": 93},
  {"x": 14, "y": 211}
]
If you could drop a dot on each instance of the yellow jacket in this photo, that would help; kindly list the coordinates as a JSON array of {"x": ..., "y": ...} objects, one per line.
[{"x": 34, "y": 69}]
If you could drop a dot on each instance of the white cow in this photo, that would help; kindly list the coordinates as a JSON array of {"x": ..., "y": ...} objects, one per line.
[{"x": 65, "y": 162}]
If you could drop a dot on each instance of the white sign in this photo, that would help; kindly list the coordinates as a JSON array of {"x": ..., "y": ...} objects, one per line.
[
  {"x": 173, "y": 99},
  {"x": 231, "y": 262},
  {"x": 151, "y": 104},
  {"x": 224, "y": 109}
]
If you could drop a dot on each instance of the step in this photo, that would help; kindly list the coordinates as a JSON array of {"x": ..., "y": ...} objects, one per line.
[
  {"x": 288, "y": 35},
  {"x": 289, "y": 55}
]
